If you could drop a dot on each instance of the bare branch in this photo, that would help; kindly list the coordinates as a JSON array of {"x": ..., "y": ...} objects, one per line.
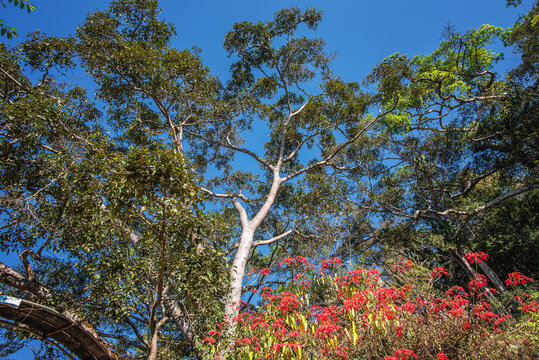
[
  {"x": 266, "y": 241},
  {"x": 13, "y": 279},
  {"x": 233, "y": 147},
  {"x": 13, "y": 80},
  {"x": 273, "y": 239},
  {"x": 301, "y": 143},
  {"x": 136, "y": 331},
  {"x": 505, "y": 196},
  {"x": 224, "y": 196},
  {"x": 329, "y": 157},
  {"x": 471, "y": 183},
  {"x": 179, "y": 315}
]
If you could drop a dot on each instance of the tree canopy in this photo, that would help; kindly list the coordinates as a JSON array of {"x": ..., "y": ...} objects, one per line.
[{"x": 132, "y": 219}]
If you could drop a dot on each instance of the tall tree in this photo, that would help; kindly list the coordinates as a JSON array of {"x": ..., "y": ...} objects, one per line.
[
  {"x": 464, "y": 151},
  {"x": 109, "y": 235},
  {"x": 435, "y": 146},
  {"x": 281, "y": 82},
  {"x": 150, "y": 85}
]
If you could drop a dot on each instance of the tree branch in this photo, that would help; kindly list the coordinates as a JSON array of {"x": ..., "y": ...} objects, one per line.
[
  {"x": 233, "y": 147},
  {"x": 137, "y": 333},
  {"x": 13, "y": 279},
  {"x": 328, "y": 158},
  {"x": 273, "y": 239},
  {"x": 241, "y": 210},
  {"x": 224, "y": 196}
]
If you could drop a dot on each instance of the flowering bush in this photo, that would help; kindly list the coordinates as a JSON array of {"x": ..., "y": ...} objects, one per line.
[
  {"x": 478, "y": 257},
  {"x": 324, "y": 314}
]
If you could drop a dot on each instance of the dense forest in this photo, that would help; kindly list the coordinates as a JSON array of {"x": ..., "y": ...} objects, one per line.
[{"x": 393, "y": 217}]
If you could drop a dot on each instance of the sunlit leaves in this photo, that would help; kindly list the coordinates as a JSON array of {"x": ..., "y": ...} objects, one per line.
[{"x": 8, "y": 31}]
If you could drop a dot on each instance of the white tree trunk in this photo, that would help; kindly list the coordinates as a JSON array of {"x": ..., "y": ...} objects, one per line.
[{"x": 237, "y": 272}]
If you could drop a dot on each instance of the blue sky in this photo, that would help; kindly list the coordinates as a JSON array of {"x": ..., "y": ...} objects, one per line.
[{"x": 360, "y": 32}]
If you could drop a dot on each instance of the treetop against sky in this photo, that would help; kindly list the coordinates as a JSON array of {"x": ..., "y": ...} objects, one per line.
[
  {"x": 360, "y": 33},
  {"x": 138, "y": 185}
]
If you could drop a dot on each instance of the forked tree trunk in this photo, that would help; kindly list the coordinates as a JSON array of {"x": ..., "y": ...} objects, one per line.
[{"x": 237, "y": 272}]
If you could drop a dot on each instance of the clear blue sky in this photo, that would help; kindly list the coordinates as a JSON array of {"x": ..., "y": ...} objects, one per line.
[{"x": 360, "y": 32}]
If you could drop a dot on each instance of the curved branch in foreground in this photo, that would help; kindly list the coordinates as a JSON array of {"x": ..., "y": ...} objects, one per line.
[
  {"x": 13, "y": 327},
  {"x": 49, "y": 324}
]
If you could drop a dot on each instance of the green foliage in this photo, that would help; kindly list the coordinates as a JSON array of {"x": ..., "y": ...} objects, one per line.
[
  {"x": 8, "y": 31},
  {"x": 424, "y": 158},
  {"x": 116, "y": 230},
  {"x": 523, "y": 37},
  {"x": 460, "y": 141}
]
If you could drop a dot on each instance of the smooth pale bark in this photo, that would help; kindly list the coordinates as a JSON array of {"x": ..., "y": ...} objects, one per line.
[
  {"x": 237, "y": 272},
  {"x": 152, "y": 355}
]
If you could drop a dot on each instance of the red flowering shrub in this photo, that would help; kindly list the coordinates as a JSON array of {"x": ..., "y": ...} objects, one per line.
[
  {"x": 476, "y": 257},
  {"x": 323, "y": 314},
  {"x": 438, "y": 272},
  {"x": 516, "y": 278}
]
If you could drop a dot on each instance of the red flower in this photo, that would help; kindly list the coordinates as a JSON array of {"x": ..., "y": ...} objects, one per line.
[
  {"x": 402, "y": 354},
  {"x": 476, "y": 257},
  {"x": 456, "y": 291},
  {"x": 278, "y": 347},
  {"x": 245, "y": 341},
  {"x": 441, "y": 356},
  {"x": 478, "y": 282},
  {"x": 209, "y": 340},
  {"x": 532, "y": 306},
  {"x": 439, "y": 271},
  {"x": 516, "y": 278},
  {"x": 402, "y": 266},
  {"x": 328, "y": 263},
  {"x": 288, "y": 301},
  {"x": 294, "y": 261},
  {"x": 327, "y": 329}
]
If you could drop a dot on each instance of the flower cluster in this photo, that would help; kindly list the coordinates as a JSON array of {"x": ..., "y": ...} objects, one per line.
[
  {"x": 329, "y": 263},
  {"x": 353, "y": 315},
  {"x": 402, "y": 266},
  {"x": 402, "y": 354},
  {"x": 260, "y": 271},
  {"x": 438, "y": 272},
  {"x": 516, "y": 278},
  {"x": 478, "y": 257},
  {"x": 298, "y": 260}
]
